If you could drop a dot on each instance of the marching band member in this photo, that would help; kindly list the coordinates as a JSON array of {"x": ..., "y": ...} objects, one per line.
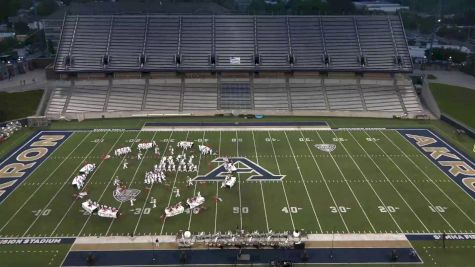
[{"x": 124, "y": 166}]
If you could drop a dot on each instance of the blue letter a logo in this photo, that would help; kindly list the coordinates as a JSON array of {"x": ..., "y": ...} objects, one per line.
[{"x": 243, "y": 166}]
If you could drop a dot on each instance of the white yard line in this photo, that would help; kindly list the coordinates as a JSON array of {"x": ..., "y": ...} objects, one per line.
[
  {"x": 348, "y": 184},
  {"x": 239, "y": 181},
  {"x": 303, "y": 182},
  {"x": 75, "y": 171},
  {"x": 217, "y": 189},
  {"x": 171, "y": 192},
  {"x": 390, "y": 182},
  {"x": 368, "y": 182},
  {"x": 151, "y": 187},
  {"x": 428, "y": 177},
  {"x": 196, "y": 183},
  {"x": 107, "y": 186},
  {"x": 88, "y": 181},
  {"x": 281, "y": 182},
  {"x": 130, "y": 183},
  {"x": 325, "y": 182},
  {"x": 260, "y": 182},
  {"x": 415, "y": 186},
  {"x": 44, "y": 181}
]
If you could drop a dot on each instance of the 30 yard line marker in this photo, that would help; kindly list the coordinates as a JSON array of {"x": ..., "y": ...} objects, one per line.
[
  {"x": 325, "y": 181},
  {"x": 348, "y": 184},
  {"x": 173, "y": 186},
  {"x": 367, "y": 181},
  {"x": 303, "y": 181},
  {"x": 151, "y": 187},
  {"x": 196, "y": 183},
  {"x": 107, "y": 186},
  {"x": 133, "y": 178},
  {"x": 44, "y": 181}
]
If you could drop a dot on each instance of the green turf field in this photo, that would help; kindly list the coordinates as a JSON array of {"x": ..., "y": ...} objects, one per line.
[{"x": 374, "y": 182}]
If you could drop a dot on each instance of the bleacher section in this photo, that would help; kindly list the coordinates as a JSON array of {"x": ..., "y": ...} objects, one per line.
[
  {"x": 196, "y": 42},
  {"x": 307, "y": 94},
  {"x": 343, "y": 95},
  {"x": 270, "y": 94},
  {"x": 229, "y": 43},
  {"x": 235, "y": 95},
  {"x": 381, "y": 96},
  {"x": 126, "y": 96},
  {"x": 169, "y": 95},
  {"x": 88, "y": 96},
  {"x": 200, "y": 94},
  {"x": 409, "y": 96},
  {"x": 163, "y": 95},
  {"x": 235, "y": 42},
  {"x": 57, "y": 100}
]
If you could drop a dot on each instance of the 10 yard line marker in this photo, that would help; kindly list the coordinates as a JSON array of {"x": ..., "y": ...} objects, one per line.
[
  {"x": 39, "y": 187},
  {"x": 390, "y": 182}
]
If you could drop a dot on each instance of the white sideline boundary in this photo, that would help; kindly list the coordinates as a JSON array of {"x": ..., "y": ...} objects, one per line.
[{"x": 233, "y": 128}]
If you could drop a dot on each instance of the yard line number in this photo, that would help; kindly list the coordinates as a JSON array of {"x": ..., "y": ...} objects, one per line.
[
  {"x": 341, "y": 209},
  {"x": 291, "y": 209},
  {"x": 237, "y": 210}
]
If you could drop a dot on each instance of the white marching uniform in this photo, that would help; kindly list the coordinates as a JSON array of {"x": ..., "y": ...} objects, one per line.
[{"x": 122, "y": 151}]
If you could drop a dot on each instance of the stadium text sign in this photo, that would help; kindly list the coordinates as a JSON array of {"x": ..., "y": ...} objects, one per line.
[
  {"x": 21, "y": 163},
  {"x": 456, "y": 165}
]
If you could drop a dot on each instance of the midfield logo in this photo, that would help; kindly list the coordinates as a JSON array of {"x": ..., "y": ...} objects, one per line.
[
  {"x": 326, "y": 147},
  {"x": 125, "y": 194},
  {"x": 243, "y": 166}
]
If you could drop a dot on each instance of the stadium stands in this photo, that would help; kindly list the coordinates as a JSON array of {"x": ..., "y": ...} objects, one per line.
[
  {"x": 230, "y": 43},
  {"x": 88, "y": 96},
  {"x": 163, "y": 94},
  {"x": 307, "y": 94},
  {"x": 170, "y": 64},
  {"x": 200, "y": 94}
]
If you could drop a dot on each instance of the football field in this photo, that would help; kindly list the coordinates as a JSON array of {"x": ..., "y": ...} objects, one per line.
[{"x": 335, "y": 181}]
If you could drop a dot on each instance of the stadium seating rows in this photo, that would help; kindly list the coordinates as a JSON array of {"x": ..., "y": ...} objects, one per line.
[
  {"x": 229, "y": 43},
  {"x": 271, "y": 94}
]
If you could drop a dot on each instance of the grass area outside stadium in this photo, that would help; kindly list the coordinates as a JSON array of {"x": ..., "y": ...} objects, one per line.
[{"x": 457, "y": 102}]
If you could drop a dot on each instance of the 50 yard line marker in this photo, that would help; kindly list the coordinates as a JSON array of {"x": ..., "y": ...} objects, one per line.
[{"x": 260, "y": 182}]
